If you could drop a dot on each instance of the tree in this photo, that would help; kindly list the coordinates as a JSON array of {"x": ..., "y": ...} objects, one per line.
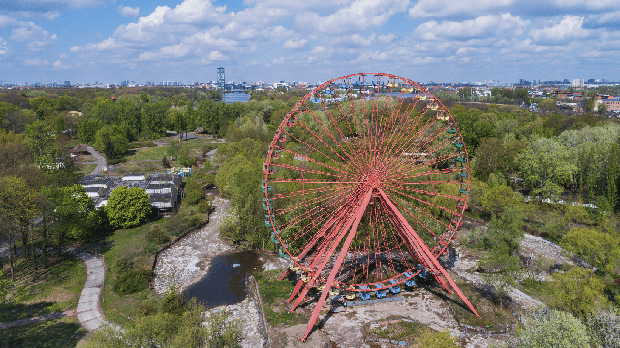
[
  {"x": 128, "y": 207},
  {"x": 502, "y": 270},
  {"x": 194, "y": 192},
  {"x": 179, "y": 329},
  {"x": 578, "y": 291},
  {"x": 75, "y": 213},
  {"x": 598, "y": 248},
  {"x": 547, "y": 328},
  {"x": 499, "y": 198},
  {"x": 111, "y": 141},
  {"x": 546, "y": 166},
  {"x": 4, "y": 285},
  {"x": 153, "y": 118},
  {"x": 604, "y": 325},
  {"x": 17, "y": 208},
  {"x": 40, "y": 137},
  {"x": 602, "y": 108}
]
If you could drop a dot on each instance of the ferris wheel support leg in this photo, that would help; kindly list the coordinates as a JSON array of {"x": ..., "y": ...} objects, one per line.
[
  {"x": 343, "y": 252},
  {"x": 429, "y": 259},
  {"x": 301, "y": 297},
  {"x": 298, "y": 286},
  {"x": 286, "y": 273}
]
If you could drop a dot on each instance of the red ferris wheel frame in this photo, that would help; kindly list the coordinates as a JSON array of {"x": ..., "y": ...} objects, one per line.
[{"x": 368, "y": 160}]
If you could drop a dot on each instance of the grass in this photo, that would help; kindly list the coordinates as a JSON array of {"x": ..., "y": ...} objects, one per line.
[
  {"x": 56, "y": 289},
  {"x": 274, "y": 293},
  {"x": 400, "y": 331},
  {"x": 63, "y": 332},
  {"x": 86, "y": 168},
  {"x": 156, "y": 153},
  {"x": 490, "y": 312}
]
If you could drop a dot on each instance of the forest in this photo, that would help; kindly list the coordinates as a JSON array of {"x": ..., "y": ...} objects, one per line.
[{"x": 524, "y": 164}]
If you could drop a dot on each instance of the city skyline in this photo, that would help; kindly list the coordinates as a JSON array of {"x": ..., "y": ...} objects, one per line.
[{"x": 273, "y": 40}]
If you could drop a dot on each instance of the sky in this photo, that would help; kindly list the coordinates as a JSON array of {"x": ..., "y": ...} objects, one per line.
[{"x": 109, "y": 41}]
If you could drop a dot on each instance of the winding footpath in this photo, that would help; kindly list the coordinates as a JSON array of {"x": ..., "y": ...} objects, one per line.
[
  {"x": 101, "y": 161},
  {"x": 89, "y": 311}
]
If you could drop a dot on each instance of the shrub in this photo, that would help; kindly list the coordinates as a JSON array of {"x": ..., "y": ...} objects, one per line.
[
  {"x": 157, "y": 236},
  {"x": 132, "y": 281},
  {"x": 123, "y": 264},
  {"x": 172, "y": 302},
  {"x": 196, "y": 220},
  {"x": 205, "y": 207},
  {"x": 194, "y": 192},
  {"x": 550, "y": 328}
]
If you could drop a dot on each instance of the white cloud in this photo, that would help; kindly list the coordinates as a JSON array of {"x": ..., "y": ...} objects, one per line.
[
  {"x": 179, "y": 50},
  {"x": 216, "y": 55},
  {"x": 36, "y": 38},
  {"x": 361, "y": 14},
  {"x": 74, "y": 49},
  {"x": 4, "y": 47},
  {"x": 59, "y": 66},
  {"x": 35, "y": 62},
  {"x": 569, "y": 28},
  {"x": 295, "y": 44},
  {"x": 127, "y": 11},
  {"x": 483, "y": 26},
  {"x": 146, "y": 55}
]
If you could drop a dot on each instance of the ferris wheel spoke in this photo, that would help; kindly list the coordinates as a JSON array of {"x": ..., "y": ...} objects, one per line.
[
  {"x": 297, "y": 155},
  {"x": 343, "y": 163},
  {"x": 304, "y": 192},
  {"x": 419, "y": 200},
  {"x": 425, "y": 192},
  {"x": 305, "y": 170}
]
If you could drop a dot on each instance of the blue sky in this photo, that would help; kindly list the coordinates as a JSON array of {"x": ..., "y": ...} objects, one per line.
[{"x": 307, "y": 40}]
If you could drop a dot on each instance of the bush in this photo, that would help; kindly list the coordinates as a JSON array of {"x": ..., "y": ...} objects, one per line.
[
  {"x": 550, "y": 328},
  {"x": 194, "y": 193},
  {"x": 205, "y": 207},
  {"x": 123, "y": 264},
  {"x": 157, "y": 236},
  {"x": 132, "y": 282},
  {"x": 177, "y": 225},
  {"x": 196, "y": 220},
  {"x": 172, "y": 302}
]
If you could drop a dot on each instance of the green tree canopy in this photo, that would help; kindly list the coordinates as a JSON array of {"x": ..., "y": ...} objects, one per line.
[
  {"x": 128, "y": 207},
  {"x": 547, "y": 328},
  {"x": 546, "y": 166}
]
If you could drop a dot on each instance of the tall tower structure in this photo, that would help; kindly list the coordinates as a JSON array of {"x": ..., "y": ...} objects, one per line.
[{"x": 221, "y": 78}]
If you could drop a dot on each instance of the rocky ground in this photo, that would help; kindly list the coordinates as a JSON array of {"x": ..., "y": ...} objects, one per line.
[{"x": 188, "y": 260}]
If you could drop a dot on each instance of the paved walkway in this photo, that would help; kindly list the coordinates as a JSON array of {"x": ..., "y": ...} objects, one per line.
[
  {"x": 101, "y": 161},
  {"x": 88, "y": 311}
]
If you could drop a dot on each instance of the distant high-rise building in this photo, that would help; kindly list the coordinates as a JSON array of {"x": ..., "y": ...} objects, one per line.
[
  {"x": 67, "y": 83},
  {"x": 221, "y": 78},
  {"x": 578, "y": 83}
]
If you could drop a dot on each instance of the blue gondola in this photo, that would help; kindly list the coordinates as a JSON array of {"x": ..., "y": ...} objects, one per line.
[
  {"x": 395, "y": 289},
  {"x": 409, "y": 282},
  {"x": 364, "y": 295},
  {"x": 380, "y": 293}
]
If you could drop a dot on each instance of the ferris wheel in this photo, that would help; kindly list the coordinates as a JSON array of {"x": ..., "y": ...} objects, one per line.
[{"x": 365, "y": 182}]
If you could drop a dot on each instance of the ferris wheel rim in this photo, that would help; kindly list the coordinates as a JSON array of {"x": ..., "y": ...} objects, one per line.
[{"x": 282, "y": 130}]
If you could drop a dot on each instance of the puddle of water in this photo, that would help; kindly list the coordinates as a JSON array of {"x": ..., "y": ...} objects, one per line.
[{"x": 224, "y": 284}]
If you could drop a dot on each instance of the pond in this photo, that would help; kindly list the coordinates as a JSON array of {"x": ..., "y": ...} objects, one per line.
[{"x": 224, "y": 284}]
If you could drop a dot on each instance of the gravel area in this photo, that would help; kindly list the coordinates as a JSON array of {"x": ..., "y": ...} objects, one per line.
[{"x": 187, "y": 261}]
